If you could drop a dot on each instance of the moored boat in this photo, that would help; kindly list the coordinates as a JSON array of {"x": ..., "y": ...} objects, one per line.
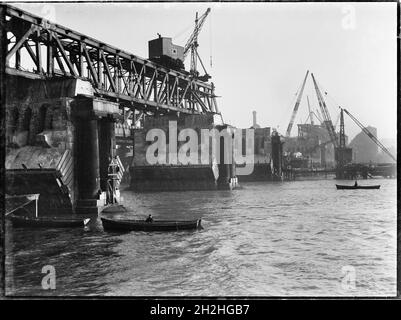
[
  {"x": 16, "y": 204},
  {"x": 141, "y": 225},
  {"x": 345, "y": 187}
]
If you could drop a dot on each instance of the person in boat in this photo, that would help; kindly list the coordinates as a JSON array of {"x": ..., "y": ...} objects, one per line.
[
  {"x": 356, "y": 184},
  {"x": 149, "y": 218}
]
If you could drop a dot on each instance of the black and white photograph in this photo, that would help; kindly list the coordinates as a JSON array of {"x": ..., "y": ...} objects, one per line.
[{"x": 199, "y": 149}]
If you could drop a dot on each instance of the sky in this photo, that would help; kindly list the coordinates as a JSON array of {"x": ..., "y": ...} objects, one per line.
[{"x": 260, "y": 53}]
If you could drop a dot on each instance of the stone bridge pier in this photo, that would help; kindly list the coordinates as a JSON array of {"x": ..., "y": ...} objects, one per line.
[
  {"x": 60, "y": 139},
  {"x": 94, "y": 122}
]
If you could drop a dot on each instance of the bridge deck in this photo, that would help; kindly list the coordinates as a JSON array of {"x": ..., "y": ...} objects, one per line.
[{"x": 48, "y": 50}]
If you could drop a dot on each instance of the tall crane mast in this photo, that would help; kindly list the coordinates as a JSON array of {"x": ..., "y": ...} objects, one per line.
[
  {"x": 192, "y": 45},
  {"x": 370, "y": 135},
  {"x": 342, "y": 130},
  {"x": 326, "y": 115},
  {"x": 294, "y": 113}
]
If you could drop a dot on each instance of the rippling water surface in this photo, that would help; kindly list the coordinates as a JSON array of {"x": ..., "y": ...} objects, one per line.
[{"x": 291, "y": 238}]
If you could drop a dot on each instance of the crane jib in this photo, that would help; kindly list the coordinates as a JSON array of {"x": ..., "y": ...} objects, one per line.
[
  {"x": 297, "y": 103},
  {"x": 370, "y": 135},
  {"x": 325, "y": 114},
  {"x": 198, "y": 26},
  {"x": 192, "y": 45}
]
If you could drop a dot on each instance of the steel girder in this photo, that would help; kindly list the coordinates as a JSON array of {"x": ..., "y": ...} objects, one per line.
[{"x": 56, "y": 51}]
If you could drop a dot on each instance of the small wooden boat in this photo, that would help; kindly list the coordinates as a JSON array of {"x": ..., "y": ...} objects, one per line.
[
  {"x": 47, "y": 222},
  {"x": 141, "y": 225},
  {"x": 17, "y": 203},
  {"x": 343, "y": 187}
]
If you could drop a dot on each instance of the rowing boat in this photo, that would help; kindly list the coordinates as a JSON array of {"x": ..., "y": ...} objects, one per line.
[
  {"x": 19, "y": 216},
  {"x": 141, "y": 225},
  {"x": 46, "y": 222},
  {"x": 343, "y": 187}
]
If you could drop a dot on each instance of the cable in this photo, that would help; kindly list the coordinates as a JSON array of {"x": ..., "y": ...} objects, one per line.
[
  {"x": 326, "y": 94},
  {"x": 183, "y": 31},
  {"x": 210, "y": 41},
  {"x": 291, "y": 105},
  {"x": 296, "y": 106}
]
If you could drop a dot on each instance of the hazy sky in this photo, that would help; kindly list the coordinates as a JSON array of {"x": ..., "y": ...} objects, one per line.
[{"x": 261, "y": 51}]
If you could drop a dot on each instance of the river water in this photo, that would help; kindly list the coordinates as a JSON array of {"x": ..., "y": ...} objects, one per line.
[{"x": 302, "y": 238}]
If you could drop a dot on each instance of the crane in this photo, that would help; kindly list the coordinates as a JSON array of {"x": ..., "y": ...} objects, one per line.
[
  {"x": 326, "y": 115},
  {"x": 310, "y": 112},
  {"x": 342, "y": 130},
  {"x": 343, "y": 155},
  {"x": 192, "y": 45},
  {"x": 318, "y": 116},
  {"x": 370, "y": 135},
  {"x": 318, "y": 145},
  {"x": 294, "y": 113}
]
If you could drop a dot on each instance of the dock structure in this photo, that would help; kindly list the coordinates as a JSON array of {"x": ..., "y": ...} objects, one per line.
[
  {"x": 267, "y": 149},
  {"x": 319, "y": 149},
  {"x": 67, "y": 98},
  {"x": 173, "y": 172},
  {"x": 262, "y": 155},
  {"x": 261, "y": 147}
]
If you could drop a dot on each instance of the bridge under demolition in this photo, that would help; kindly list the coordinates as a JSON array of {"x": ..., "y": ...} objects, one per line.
[{"x": 77, "y": 112}]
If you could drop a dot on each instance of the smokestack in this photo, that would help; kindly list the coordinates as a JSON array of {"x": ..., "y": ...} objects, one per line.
[{"x": 254, "y": 118}]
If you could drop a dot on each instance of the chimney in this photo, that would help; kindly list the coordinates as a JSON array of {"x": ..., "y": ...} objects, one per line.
[{"x": 254, "y": 118}]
